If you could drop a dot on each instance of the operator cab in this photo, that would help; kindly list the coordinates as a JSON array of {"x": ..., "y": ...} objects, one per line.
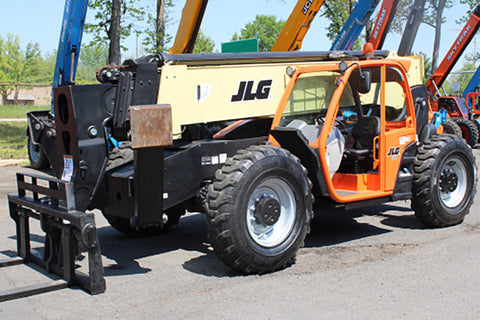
[{"x": 353, "y": 122}]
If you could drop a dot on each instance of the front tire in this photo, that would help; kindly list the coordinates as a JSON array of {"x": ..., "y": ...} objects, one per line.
[
  {"x": 445, "y": 181},
  {"x": 259, "y": 209}
]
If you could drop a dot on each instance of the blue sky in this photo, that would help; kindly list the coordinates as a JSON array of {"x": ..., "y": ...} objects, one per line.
[{"x": 39, "y": 21}]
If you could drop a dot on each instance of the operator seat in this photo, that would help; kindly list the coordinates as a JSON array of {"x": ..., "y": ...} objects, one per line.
[{"x": 358, "y": 155}]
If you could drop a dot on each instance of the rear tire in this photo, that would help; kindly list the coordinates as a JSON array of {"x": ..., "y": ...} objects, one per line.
[
  {"x": 259, "y": 209},
  {"x": 469, "y": 131},
  {"x": 450, "y": 127},
  {"x": 444, "y": 182},
  {"x": 37, "y": 157},
  {"x": 477, "y": 124},
  {"x": 118, "y": 157}
]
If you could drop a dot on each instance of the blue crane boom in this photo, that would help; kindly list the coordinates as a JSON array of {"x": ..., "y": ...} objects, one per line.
[
  {"x": 355, "y": 23},
  {"x": 473, "y": 84},
  {"x": 70, "y": 41}
]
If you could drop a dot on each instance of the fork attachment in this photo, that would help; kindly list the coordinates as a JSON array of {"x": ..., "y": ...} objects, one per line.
[{"x": 68, "y": 232}]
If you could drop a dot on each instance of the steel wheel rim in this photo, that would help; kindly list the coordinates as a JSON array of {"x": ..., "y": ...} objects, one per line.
[
  {"x": 274, "y": 191},
  {"x": 452, "y": 182}
]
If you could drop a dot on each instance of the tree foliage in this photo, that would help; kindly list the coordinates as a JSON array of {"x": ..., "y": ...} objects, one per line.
[
  {"x": 204, "y": 44},
  {"x": 265, "y": 28},
  {"x": 337, "y": 12},
  {"x": 156, "y": 38},
  {"x": 18, "y": 65},
  {"x": 91, "y": 58},
  {"x": 429, "y": 14},
  {"x": 115, "y": 20},
  {"x": 471, "y": 6},
  {"x": 463, "y": 78}
]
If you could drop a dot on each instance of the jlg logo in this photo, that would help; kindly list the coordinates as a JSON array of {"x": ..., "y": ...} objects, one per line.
[
  {"x": 247, "y": 93},
  {"x": 393, "y": 152}
]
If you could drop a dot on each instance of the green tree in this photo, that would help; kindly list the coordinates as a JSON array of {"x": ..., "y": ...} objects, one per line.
[
  {"x": 463, "y": 78},
  {"x": 91, "y": 58},
  {"x": 471, "y": 6},
  {"x": 156, "y": 38},
  {"x": 115, "y": 20},
  {"x": 337, "y": 12},
  {"x": 203, "y": 44},
  {"x": 265, "y": 28},
  {"x": 46, "y": 68},
  {"x": 17, "y": 65}
]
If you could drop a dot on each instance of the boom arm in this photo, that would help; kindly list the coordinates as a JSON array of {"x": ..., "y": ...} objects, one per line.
[
  {"x": 411, "y": 29},
  {"x": 452, "y": 56},
  {"x": 384, "y": 19},
  {"x": 354, "y": 25},
  {"x": 69, "y": 44},
  {"x": 189, "y": 26},
  {"x": 297, "y": 25},
  {"x": 473, "y": 84}
]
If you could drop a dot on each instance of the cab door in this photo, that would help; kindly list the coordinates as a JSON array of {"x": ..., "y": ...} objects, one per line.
[{"x": 398, "y": 124}]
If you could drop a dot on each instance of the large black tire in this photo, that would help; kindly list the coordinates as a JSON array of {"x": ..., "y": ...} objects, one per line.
[
  {"x": 37, "y": 157},
  {"x": 469, "y": 131},
  {"x": 259, "y": 210},
  {"x": 444, "y": 182},
  {"x": 477, "y": 124},
  {"x": 118, "y": 157},
  {"x": 450, "y": 127}
]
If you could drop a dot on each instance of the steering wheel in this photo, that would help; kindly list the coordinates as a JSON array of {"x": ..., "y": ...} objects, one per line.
[{"x": 319, "y": 120}]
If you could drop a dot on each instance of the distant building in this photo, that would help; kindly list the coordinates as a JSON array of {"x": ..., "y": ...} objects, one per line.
[{"x": 24, "y": 99}]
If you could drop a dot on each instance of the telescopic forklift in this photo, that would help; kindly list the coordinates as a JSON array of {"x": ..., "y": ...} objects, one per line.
[
  {"x": 318, "y": 131},
  {"x": 347, "y": 132}
]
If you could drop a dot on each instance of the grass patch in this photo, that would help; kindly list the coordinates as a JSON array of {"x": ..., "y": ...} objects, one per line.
[
  {"x": 19, "y": 111},
  {"x": 13, "y": 140}
]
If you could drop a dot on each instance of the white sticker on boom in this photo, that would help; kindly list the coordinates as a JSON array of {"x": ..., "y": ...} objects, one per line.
[
  {"x": 215, "y": 160},
  {"x": 67, "y": 168},
  {"x": 165, "y": 195}
]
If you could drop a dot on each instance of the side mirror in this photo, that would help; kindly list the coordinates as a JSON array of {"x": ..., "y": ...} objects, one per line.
[{"x": 365, "y": 82}]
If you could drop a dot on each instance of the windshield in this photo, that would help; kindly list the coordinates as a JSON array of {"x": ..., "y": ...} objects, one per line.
[{"x": 311, "y": 97}]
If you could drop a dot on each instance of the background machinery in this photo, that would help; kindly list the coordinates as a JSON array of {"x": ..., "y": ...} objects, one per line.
[{"x": 456, "y": 106}]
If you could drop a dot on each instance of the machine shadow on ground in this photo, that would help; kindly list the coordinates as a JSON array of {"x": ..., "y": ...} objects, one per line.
[{"x": 328, "y": 228}]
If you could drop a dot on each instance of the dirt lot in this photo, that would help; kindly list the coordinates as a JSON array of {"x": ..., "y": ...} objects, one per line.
[{"x": 372, "y": 263}]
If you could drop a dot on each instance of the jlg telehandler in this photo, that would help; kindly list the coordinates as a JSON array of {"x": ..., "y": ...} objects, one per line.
[{"x": 348, "y": 132}]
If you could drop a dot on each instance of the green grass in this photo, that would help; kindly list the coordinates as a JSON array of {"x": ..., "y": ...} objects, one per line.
[
  {"x": 13, "y": 140},
  {"x": 19, "y": 111}
]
